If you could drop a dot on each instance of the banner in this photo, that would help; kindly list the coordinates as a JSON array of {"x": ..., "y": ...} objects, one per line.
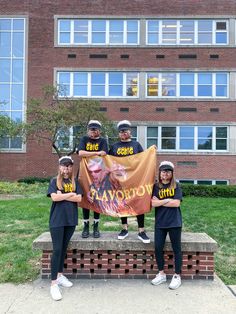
[{"x": 118, "y": 186}]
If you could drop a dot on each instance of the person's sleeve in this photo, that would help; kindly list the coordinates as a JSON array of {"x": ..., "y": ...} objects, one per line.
[
  {"x": 140, "y": 149},
  {"x": 178, "y": 193},
  {"x": 154, "y": 190},
  {"x": 111, "y": 151},
  {"x": 78, "y": 188},
  {"x": 82, "y": 145},
  {"x": 52, "y": 188},
  {"x": 105, "y": 145}
]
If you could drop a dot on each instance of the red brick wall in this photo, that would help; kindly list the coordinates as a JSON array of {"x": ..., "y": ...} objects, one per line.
[
  {"x": 101, "y": 264},
  {"x": 43, "y": 57}
]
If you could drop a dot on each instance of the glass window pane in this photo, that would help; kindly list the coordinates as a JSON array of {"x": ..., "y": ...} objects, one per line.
[
  {"x": 151, "y": 142},
  {"x": 64, "y": 38},
  {"x": 204, "y": 78},
  {"x": 153, "y": 38},
  {"x": 98, "y": 38},
  {"x": 205, "y": 38},
  {"x": 5, "y": 44},
  {"x": 4, "y": 97},
  {"x": 186, "y": 131},
  {"x": 204, "y": 144},
  {"x": 221, "y": 91},
  {"x": 132, "y": 38},
  {"x": 81, "y": 25},
  {"x": 205, "y": 132},
  {"x": 186, "y": 26},
  {"x": 80, "y": 78},
  {"x": 17, "y": 71},
  {"x": 18, "y": 24},
  {"x": 221, "y": 38},
  {"x": 64, "y": 78},
  {"x": 81, "y": 38},
  {"x": 221, "y": 78},
  {"x": 5, "y": 70},
  {"x": 116, "y": 38},
  {"x": 64, "y": 25},
  {"x": 221, "y": 132},
  {"x": 80, "y": 90},
  {"x": 97, "y": 90},
  {"x": 132, "y": 26},
  {"x": 17, "y": 97},
  {"x": 16, "y": 116},
  {"x": 168, "y": 143},
  {"x": 186, "y": 78},
  {"x": 186, "y": 143},
  {"x": 204, "y": 25},
  {"x": 18, "y": 44},
  {"x": 116, "y": 25},
  {"x": 204, "y": 90},
  {"x": 186, "y": 90},
  {"x": 4, "y": 142},
  {"x": 204, "y": 182},
  {"x": 115, "y": 78},
  {"x": 98, "y": 78},
  {"x": 98, "y": 25},
  {"x": 168, "y": 131},
  {"x": 5, "y": 24},
  {"x": 221, "y": 144},
  {"x": 221, "y": 182},
  {"x": 152, "y": 132},
  {"x": 153, "y": 26},
  {"x": 115, "y": 90},
  {"x": 16, "y": 143}
]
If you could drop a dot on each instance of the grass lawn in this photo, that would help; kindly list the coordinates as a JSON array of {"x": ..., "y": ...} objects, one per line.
[{"x": 23, "y": 219}]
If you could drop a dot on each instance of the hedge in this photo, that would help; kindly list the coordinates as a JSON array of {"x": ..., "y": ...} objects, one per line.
[
  {"x": 32, "y": 180},
  {"x": 209, "y": 190}
]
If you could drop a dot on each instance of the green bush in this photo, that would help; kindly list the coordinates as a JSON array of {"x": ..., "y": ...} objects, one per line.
[
  {"x": 32, "y": 180},
  {"x": 209, "y": 190}
]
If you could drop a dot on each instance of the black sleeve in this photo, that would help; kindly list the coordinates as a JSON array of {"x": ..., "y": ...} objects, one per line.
[
  {"x": 82, "y": 144},
  {"x": 155, "y": 190},
  {"x": 78, "y": 189},
  {"x": 104, "y": 145},
  {"x": 178, "y": 193},
  {"x": 111, "y": 151},
  {"x": 52, "y": 188},
  {"x": 140, "y": 149}
]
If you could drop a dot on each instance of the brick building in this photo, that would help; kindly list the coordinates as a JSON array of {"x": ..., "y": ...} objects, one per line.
[{"x": 167, "y": 66}]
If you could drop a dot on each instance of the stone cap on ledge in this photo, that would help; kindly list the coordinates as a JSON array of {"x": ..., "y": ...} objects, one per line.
[{"x": 191, "y": 242}]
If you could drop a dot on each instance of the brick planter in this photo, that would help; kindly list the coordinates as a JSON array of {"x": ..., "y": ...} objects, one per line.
[{"x": 108, "y": 257}]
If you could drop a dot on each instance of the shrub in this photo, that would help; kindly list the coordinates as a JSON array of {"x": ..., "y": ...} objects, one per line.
[
  {"x": 32, "y": 180},
  {"x": 209, "y": 190}
]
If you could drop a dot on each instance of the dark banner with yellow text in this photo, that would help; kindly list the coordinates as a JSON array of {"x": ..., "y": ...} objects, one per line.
[{"x": 118, "y": 186}]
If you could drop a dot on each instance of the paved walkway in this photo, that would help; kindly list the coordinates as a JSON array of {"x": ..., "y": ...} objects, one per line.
[{"x": 120, "y": 297}]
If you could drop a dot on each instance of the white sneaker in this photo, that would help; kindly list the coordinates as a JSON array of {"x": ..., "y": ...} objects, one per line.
[
  {"x": 175, "y": 282},
  {"x": 64, "y": 282},
  {"x": 159, "y": 279},
  {"x": 55, "y": 292}
]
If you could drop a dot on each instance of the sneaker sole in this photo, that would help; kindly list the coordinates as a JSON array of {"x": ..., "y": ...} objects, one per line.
[
  {"x": 85, "y": 236},
  {"x": 144, "y": 241},
  {"x": 174, "y": 288},
  {"x": 122, "y": 237},
  {"x": 159, "y": 283}
]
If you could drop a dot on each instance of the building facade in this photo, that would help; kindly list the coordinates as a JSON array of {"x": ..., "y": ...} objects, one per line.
[{"x": 167, "y": 66}]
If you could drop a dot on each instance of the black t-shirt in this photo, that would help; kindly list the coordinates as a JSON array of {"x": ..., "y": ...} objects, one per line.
[
  {"x": 121, "y": 149},
  {"x": 93, "y": 145},
  {"x": 63, "y": 213},
  {"x": 168, "y": 217}
]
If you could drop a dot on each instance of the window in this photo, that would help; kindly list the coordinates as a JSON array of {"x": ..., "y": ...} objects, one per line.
[
  {"x": 12, "y": 75},
  {"x": 204, "y": 182},
  {"x": 97, "y": 84},
  {"x": 98, "y": 32},
  {"x": 188, "y": 138},
  {"x": 187, "y": 84},
  {"x": 187, "y": 32}
]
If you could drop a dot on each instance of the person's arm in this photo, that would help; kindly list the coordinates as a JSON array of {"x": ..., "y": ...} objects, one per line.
[
  {"x": 157, "y": 203},
  {"x": 58, "y": 197},
  {"x": 84, "y": 153},
  {"x": 75, "y": 198}
]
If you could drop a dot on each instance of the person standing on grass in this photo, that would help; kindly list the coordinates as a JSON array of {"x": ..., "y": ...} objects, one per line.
[
  {"x": 126, "y": 147},
  {"x": 92, "y": 145},
  {"x": 166, "y": 199},
  {"x": 65, "y": 193}
]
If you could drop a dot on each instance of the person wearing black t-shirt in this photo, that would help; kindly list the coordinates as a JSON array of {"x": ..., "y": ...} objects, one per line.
[
  {"x": 126, "y": 147},
  {"x": 65, "y": 193},
  {"x": 92, "y": 145},
  {"x": 167, "y": 196}
]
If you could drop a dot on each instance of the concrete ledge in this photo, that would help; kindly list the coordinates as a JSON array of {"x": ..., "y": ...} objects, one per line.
[
  {"x": 108, "y": 257},
  {"x": 198, "y": 242}
]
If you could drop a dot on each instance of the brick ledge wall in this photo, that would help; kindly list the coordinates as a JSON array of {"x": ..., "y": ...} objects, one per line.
[{"x": 108, "y": 257}]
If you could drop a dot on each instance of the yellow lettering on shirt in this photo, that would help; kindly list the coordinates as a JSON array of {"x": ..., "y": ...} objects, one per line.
[
  {"x": 125, "y": 151},
  {"x": 92, "y": 147},
  {"x": 165, "y": 193}
]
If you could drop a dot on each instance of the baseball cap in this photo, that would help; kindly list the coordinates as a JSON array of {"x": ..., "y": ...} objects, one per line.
[
  {"x": 66, "y": 161},
  {"x": 94, "y": 124},
  {"x": 166, "y": 165},
  {"x": 123, "y": 125}
]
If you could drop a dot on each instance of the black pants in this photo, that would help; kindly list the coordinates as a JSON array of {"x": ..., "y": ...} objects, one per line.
[
  {"x": 140, "y": 220},
  {"x": 60, "y": 240},
  {"x": 175, "y": 238},
  {"x": 86, "y": 214}
]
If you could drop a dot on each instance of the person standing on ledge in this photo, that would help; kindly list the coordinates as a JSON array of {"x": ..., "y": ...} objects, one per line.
[
  {"x": 65, "y": 193},
  {"x": 90, "y": 145},
  {"x": 126, "y": 147},
  {"x": 167, "y": 195}
]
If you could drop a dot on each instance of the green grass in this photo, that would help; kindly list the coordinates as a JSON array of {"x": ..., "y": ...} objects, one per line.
[{"x": 22, "y": 220}]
